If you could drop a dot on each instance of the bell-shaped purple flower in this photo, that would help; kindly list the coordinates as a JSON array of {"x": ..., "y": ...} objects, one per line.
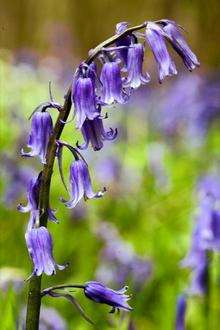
[
  {"x": 134, "y": 67},
  {"x": 156, "y": 41},
  {"x": 99, "y": 293},
  {"x": 32, "y": 195},
  {"x": 112, "y": 90},
  {"x": 41, "y": 130},
  {"x": 80, "y": 184},
  {"x": 181, "y": 312},
  {"x": 40, "y": 248},
  {"x": 84, "y": 99},
  {"x": 33, "y": 202},
  {"x": 179, "y": 44},
  {"x": 93, "y": 132}
]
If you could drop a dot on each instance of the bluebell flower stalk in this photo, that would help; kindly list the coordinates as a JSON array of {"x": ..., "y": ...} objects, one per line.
[{"x": 87, "y": 99}]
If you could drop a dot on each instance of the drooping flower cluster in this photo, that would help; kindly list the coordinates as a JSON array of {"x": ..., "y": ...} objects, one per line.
[{"x": 121, "y": 72}]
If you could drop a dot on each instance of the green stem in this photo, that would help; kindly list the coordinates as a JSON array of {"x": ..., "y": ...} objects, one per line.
[{"x": 34, "y": 293}]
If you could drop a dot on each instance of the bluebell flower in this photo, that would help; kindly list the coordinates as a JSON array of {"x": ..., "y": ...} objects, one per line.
[
  {"x": 156, "y": 41},
  {"x": 93, "y": 132},
  {"x": 40, "y": 248},
  {"x": 80, "y": 184},
  {"x": 41, "y": 130},
  {"x": 32, "y": 206},
  {"x": 32, "y": 195},
  {"x": 181, "y": 312},
  {"x": 99, "y": 293},
  {"x": 134, "y": 67},
  {"x": 84, "y": 99},
  {"x": 179, "y": 43},
  {"x": 112, "y": 90}
]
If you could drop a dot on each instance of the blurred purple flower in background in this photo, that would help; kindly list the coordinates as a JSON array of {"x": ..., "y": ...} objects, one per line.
[
  {"x": 108, "y": 170},
  {"x": 156, "y": 162},
  {"x": 181, "y": 312},
  {"x": 186, "y": 112},
  {"x": 99, "y": 293},
  {"x": 41, "y": 129},
  {"x": 40, "y": 248},
  {"x": 206, "y": 233},
  {"x": 50, "y": 319},
  {"x": 118, "y": 261},
  {"x": 18, "y": 178}
]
